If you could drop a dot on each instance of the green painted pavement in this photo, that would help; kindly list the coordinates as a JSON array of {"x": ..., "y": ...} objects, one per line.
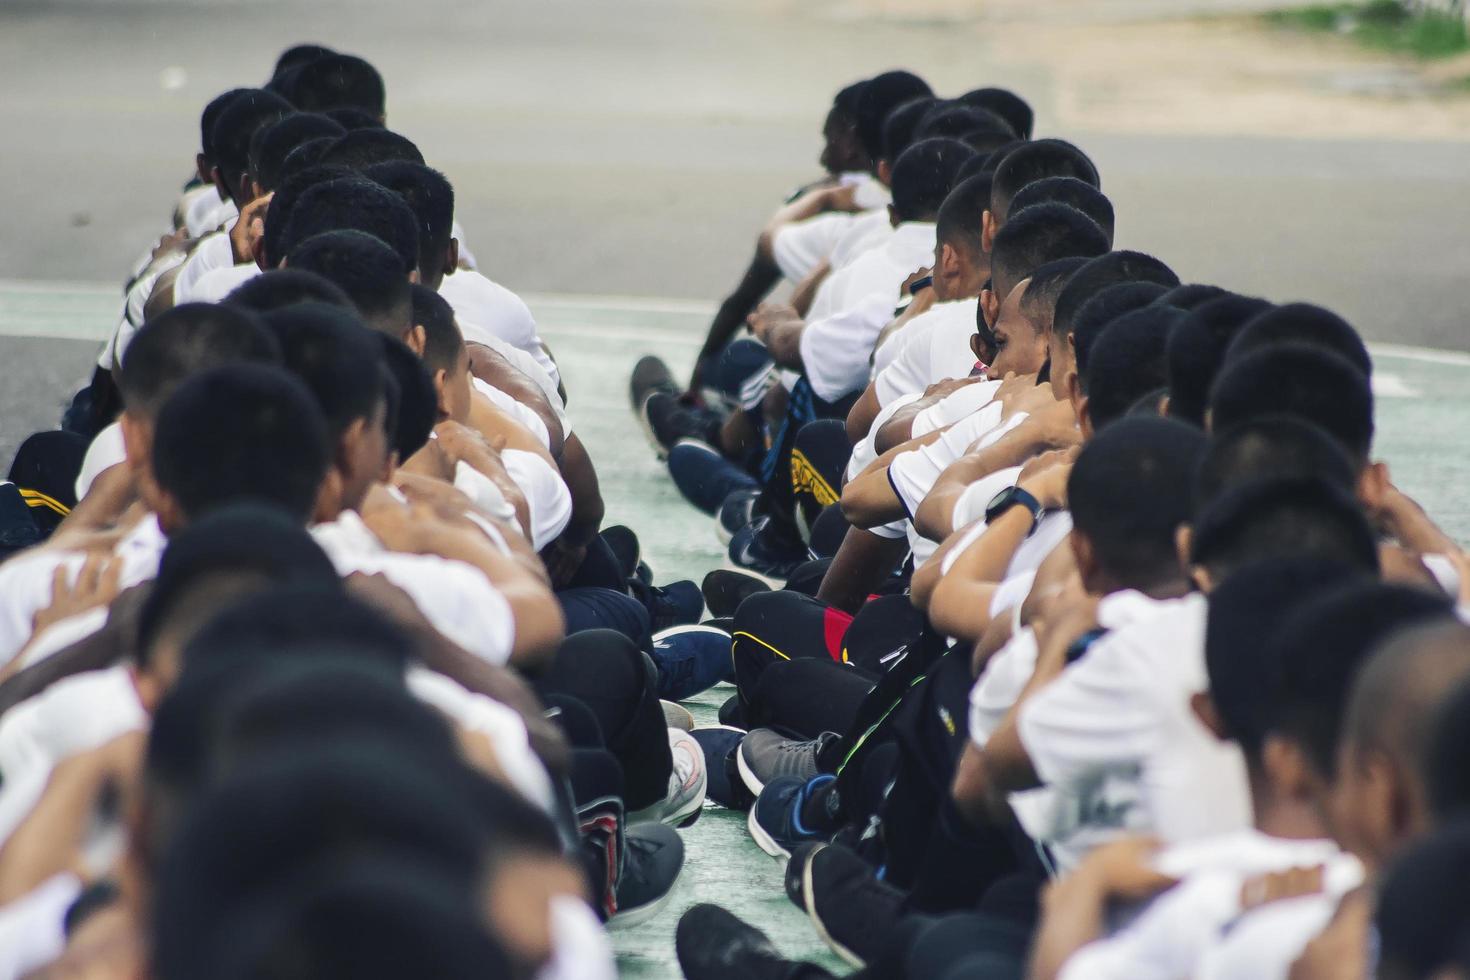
[{"x": 1424, "y": 434}]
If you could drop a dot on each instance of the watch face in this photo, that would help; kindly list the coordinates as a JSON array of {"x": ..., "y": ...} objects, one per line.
[{"x": 1000, "y": 498}]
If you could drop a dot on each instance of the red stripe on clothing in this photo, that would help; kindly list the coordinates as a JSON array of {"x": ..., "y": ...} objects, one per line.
[{"x": 834, "y": 627}]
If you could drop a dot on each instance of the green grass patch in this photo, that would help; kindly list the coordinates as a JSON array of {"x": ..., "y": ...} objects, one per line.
[{"x": 1386, "y": 25}]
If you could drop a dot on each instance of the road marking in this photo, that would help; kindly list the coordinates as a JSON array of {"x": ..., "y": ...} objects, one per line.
[{"x": 69, "y": 310}]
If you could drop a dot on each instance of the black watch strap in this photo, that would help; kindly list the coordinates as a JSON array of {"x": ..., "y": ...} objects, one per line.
[{"x": 1011, "y": 497}]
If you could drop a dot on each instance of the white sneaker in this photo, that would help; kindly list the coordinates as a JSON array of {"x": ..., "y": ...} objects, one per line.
[{"x": 687, "y": 784}]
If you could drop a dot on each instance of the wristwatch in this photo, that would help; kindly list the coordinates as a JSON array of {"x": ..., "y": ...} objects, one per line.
[{"x": 1010, "y": 497}]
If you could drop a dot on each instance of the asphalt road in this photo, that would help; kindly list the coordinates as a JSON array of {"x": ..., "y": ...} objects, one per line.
[{"x": 633, "y": 147}]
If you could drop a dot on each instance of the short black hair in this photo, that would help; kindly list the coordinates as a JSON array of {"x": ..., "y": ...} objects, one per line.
[
  {"x": 1102, "y": 272},
  {"x": 237, "y": 123},
  {"x": 183, "y": 341},
  {"x": 1129, "y": 492},
  {"x": 845, "y": 102},
  {"x": 1190, "y": 295},
  {"x": 297, "y": 622},
  {"x": 337, "y": 358},
  {"x": 366, "y": 269},
  {"x": 1042, "y": 234},
  {"x": 1282, "y": 517},
  {"x": 1105, "y": 307},
  {"x": 210, "y": 116},
  {"x": 238, "y": 539},
  {"x": 443, "y": 340},
  {"x": 1125, "y": 363},
  {"x": 414, "y": 401},
  {"x": 899, "y": 126},
  {"x": 361, "y": 148},
  {"x": 298, "y": 55},
  {"x": 305, "y": 157},
  {"x": 1007, "y": 104},
  {"x": 351, "y": 118},
  {"x": 374, "y": 916},
  {"x": 431, "y": 197},
  {"x": 273, "y": 143},
  {"x": 286, "y": 287},
  {"x": 1197, "y": 350},
  {"x": 1072, "y": 192},
  {"x": 243, "y": 432},
  {"x": 283, "y": 202},
  {"x": 1422, "y": 905},
  {"x": 993, "y": 159},
  {"x": 1245, "y": 612},
  {"x": 880, "y": 96},
  {"x": 923, "y": 176},
  {"x": 1308, "y": 326},
  {"x": 1272, "y": 446},
  {"x": 358, "y": 204},
  {"x": 1047, "y": 282},
  {"x": 962, "y": 213},
  {"x": 1446, "y": 775},
  {"x": 957, "y": 120},
  {"x": 1308, "y": 383},
  {"x": 338, "y": 80},
  {"x": 1321, "y": 647},
  {"x": 1035, "y": 161}
]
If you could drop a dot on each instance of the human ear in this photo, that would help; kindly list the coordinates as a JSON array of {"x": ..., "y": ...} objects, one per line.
[
  {"x": 990, "y": 306},
  {"x": 885, "y": 173},
  {"x": 451, "y": 257},
  {"x": 1373, "y": 484},
  {"x": 416, "y": 339},
  {"x": 987, "y": 232},
  {"x": 441, "y": 387},
  {"x": 1208, "y": 715}
]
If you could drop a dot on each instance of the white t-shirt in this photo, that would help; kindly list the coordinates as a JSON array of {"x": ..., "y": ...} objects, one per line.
[
  {"x": 216, "y": 284},
  {"x": 213, "y": 252},
  {"x": 106, "y": 451},
  {"x": 493, "y": 308},
  {"x": 516, "y": 410},
  {"x": 1177, "y": 934},
  {"x": 579, "y": 945},
  {"x": 455, "y": 597},
  {"x": 547, "y": 497},
  {"x": 801, "y": 245},
  {"x": 1115, "y": 737},
  {"x": 32, "y": 932},
  {"x": 207, "y": 211},
  {"x": 870, "y": 230},
  {"x": 527, "y": 365},
  {"x": 940, "y": 352}
]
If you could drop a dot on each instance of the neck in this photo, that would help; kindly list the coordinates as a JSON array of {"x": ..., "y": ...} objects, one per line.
[{"x": 1289, "y": 818}]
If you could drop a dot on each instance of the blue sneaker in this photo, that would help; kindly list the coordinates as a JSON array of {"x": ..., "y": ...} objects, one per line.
[
  {"x": 703, "y": 476},
  {"x": 758, "y": 551},
  {"x": 724, "y": 785},
  {"x": 775, "y": 820},
  {"x": 676, "y": 604},
  {"x": 691, "y": 659},
  {"x": 735, "y": 513}
]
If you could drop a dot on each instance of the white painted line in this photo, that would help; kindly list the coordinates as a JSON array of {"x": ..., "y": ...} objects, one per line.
[
  {"x": 1429, "y": 355},
  {"x": 553, "y": 333}
]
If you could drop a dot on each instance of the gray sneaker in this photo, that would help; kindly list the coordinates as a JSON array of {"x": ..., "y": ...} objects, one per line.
[
  {"x": 687, "y": 785},
  {"x": 765, "y": 754}
]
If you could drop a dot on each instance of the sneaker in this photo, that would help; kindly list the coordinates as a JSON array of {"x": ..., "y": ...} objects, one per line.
[
  {"x": 685, "y": 800},
  {"x": 766, "y": 755},
  {"x": 666, "y": 421},
  {"x": 691, "y": 660},
  {"x": 724, "y": 590},
  {"x": 775, "y": 820},
  {"x": 712, "y": 944},
  {"x": 651, "y": 374},
  {"x": 731, "y": 713},
  {"x": 720, "y": 745},
  {"x": 735, "y": 513},
  {"x": 703, "y": 476},
  {"x": 677, "y": 716},
  {"x": 677, "y": 604},
  {"x": 623, "y": 543},
  {"x": 653, "y": 857},
  {"x": 757, "y": 551},
  {"x": 850, "y": 907}
]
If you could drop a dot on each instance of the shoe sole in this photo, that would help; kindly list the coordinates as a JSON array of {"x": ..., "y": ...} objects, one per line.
[
  {"x": 669, "y": 380},
  {"x": 724, "y": 536},
  {"x": 776, "y": 584},
  {"x": 764, "y": 840},
  {"x": 658, "y": 448},
  {"x": 636, "y": 916},
  {"x": 843, "y": 953},
  {"x": 747, "y": 775},
  {"x": 677, "y": 716}
]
